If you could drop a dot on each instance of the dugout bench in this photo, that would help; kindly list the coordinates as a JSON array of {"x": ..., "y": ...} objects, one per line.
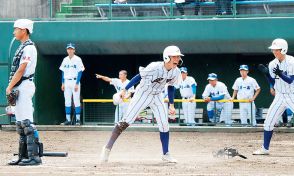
[{"x": 147, "y": 116}]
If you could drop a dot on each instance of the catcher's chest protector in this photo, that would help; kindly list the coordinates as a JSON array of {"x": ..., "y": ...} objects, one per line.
[{"x": 17, "y": 57}]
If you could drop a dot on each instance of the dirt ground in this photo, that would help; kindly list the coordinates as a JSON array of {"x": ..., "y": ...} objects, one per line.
[{"x": 139, "y": 153}]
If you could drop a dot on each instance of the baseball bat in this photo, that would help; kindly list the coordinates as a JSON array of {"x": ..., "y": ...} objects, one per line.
[
  {"x": 53, "y": 154},
  {"x": 56, "y": 154}
]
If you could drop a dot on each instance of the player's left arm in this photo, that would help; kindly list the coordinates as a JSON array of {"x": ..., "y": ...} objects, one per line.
[
  {"x": 80, "y": 73},
  {"x": 223, "y": 90},
  {"x": 257, "y": 90},
  {"x": 171, "y": 96},
  {"x": 17, "y": 76},
  {"x": 171, "y": 92},
  {"x": 194, "y": 89}
]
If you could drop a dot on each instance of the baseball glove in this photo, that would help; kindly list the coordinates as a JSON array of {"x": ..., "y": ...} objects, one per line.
[
  {"x": 12, "y": 97},
  {"x": 263, "y": 69},
  {"x": 277, "y": 70},
  {"x": 229, "y": 152}
]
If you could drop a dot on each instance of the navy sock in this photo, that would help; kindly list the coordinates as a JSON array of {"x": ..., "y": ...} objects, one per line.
[
  {"x": 267, "y": 136},
  {"x": 164, "y": 138},
  {"x": 210, "y": 115}
]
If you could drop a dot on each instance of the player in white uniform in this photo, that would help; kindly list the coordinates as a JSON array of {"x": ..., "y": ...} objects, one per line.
[
  {"x": 21, "y": 79},
  {"x": 281, "y": 75},
  {"x": 214, "y": 91},
  {"x": 188, "y": 93},
  {"x": 153, "y": 79},
  {"x": 72, "y": 68},
  {"x": 246, "y": 88},
  {"x": 119, "y": 84}
]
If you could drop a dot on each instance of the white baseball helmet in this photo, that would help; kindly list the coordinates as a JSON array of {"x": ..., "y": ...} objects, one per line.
[
  {"x": 171, "y": 51},
  {"x": 117, "y": 99},
  {"x": 280, "y": 44}
]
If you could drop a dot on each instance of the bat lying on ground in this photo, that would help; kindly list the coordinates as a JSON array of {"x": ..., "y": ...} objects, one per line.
[{"x": 52, "y": 154}]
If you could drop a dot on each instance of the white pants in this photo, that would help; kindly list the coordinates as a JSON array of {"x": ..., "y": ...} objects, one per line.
[
  {"x": 246, "y": 113},
  {"x": 69, "y": 91},
  {"x": 142, "y": 100},
  {"x": 189, "y": 109},
  {"x": 279, "y": 105},
  {"x": 24, "y": 104},
  {"x": 225, "y": 108},
  {"x": 120, "y": 110}
]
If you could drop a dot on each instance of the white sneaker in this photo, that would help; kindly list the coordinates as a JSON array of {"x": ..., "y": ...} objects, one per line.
[
  {"x": 104, "y": 154},
  {"x": 261, "y": 151},
  {"x": 168, "y": 158}
]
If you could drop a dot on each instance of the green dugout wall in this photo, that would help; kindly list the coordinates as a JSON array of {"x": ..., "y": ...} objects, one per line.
[{"x": 210, "y": 45}]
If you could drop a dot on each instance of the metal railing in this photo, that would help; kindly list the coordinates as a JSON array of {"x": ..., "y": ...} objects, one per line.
[
  {"x": 144, "y": 9},
  {"x": 102, "y": 111}
]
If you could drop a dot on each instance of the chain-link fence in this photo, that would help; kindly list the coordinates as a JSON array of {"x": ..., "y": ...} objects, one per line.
[
  {"x": 142, "y": 9},
  {"x": 198, "y": 112}
]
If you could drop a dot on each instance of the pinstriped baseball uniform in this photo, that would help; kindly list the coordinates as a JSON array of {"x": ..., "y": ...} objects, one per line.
[
  {"x": 149, "y": 93},
  {"x": 284, "y": 97}
]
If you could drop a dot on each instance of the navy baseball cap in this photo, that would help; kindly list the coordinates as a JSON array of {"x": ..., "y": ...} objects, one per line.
[
  {"x": 212, "y": 76},
  {"x": 244, "y": 67},
  {"x": 184, "y": 69},
  {"x": 71, "y": 45}
]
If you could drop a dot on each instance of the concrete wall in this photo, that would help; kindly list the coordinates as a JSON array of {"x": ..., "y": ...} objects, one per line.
[{"x": 24, "y": 9}]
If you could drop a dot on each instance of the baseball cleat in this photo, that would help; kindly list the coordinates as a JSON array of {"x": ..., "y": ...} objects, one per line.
[
  {"x": 104, "y": 154},
  {"x": 66, "y": 123},
  {"x": 168, "y": 158},
  {"x": 261, "y": 151}
]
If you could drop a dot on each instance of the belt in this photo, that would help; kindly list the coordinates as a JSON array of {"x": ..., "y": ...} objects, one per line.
[
  {"x": 30, "y": 79},
  {"x": 72, "y": 79},
  {"x": 186, "y": 98}
]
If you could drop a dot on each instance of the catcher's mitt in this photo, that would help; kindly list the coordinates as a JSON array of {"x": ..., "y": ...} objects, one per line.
[
  {"x": 229, "y": 152},
  {"x": 12, "y": 97},
  {"x": 263, "y": 69}
]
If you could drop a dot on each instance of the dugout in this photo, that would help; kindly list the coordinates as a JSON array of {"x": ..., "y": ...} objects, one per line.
[
  {"x": 199, "y": 65},
  {"x": 218, "y": 46}
]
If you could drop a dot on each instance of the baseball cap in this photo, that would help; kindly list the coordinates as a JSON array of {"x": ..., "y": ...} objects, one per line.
[
  {"x": 244, "y": 67},
  {"x": 24, "y": 24},
  {"x": 71, "y": 45},
  {"x": 212, "y": 76},
  {"x": 184, "y": 69}
]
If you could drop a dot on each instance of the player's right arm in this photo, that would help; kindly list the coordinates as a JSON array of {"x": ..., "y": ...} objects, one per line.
[
  {"x": 62, "y": 81},
  {"x": 62, "y": 68},
  {"x": 206, "y": 94},
  {"x": 104, "y": 78},
  {"x": 133, "y": 81},
  {"x": 171, "y": 96},
  {"x": 235, "y": 88}
]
